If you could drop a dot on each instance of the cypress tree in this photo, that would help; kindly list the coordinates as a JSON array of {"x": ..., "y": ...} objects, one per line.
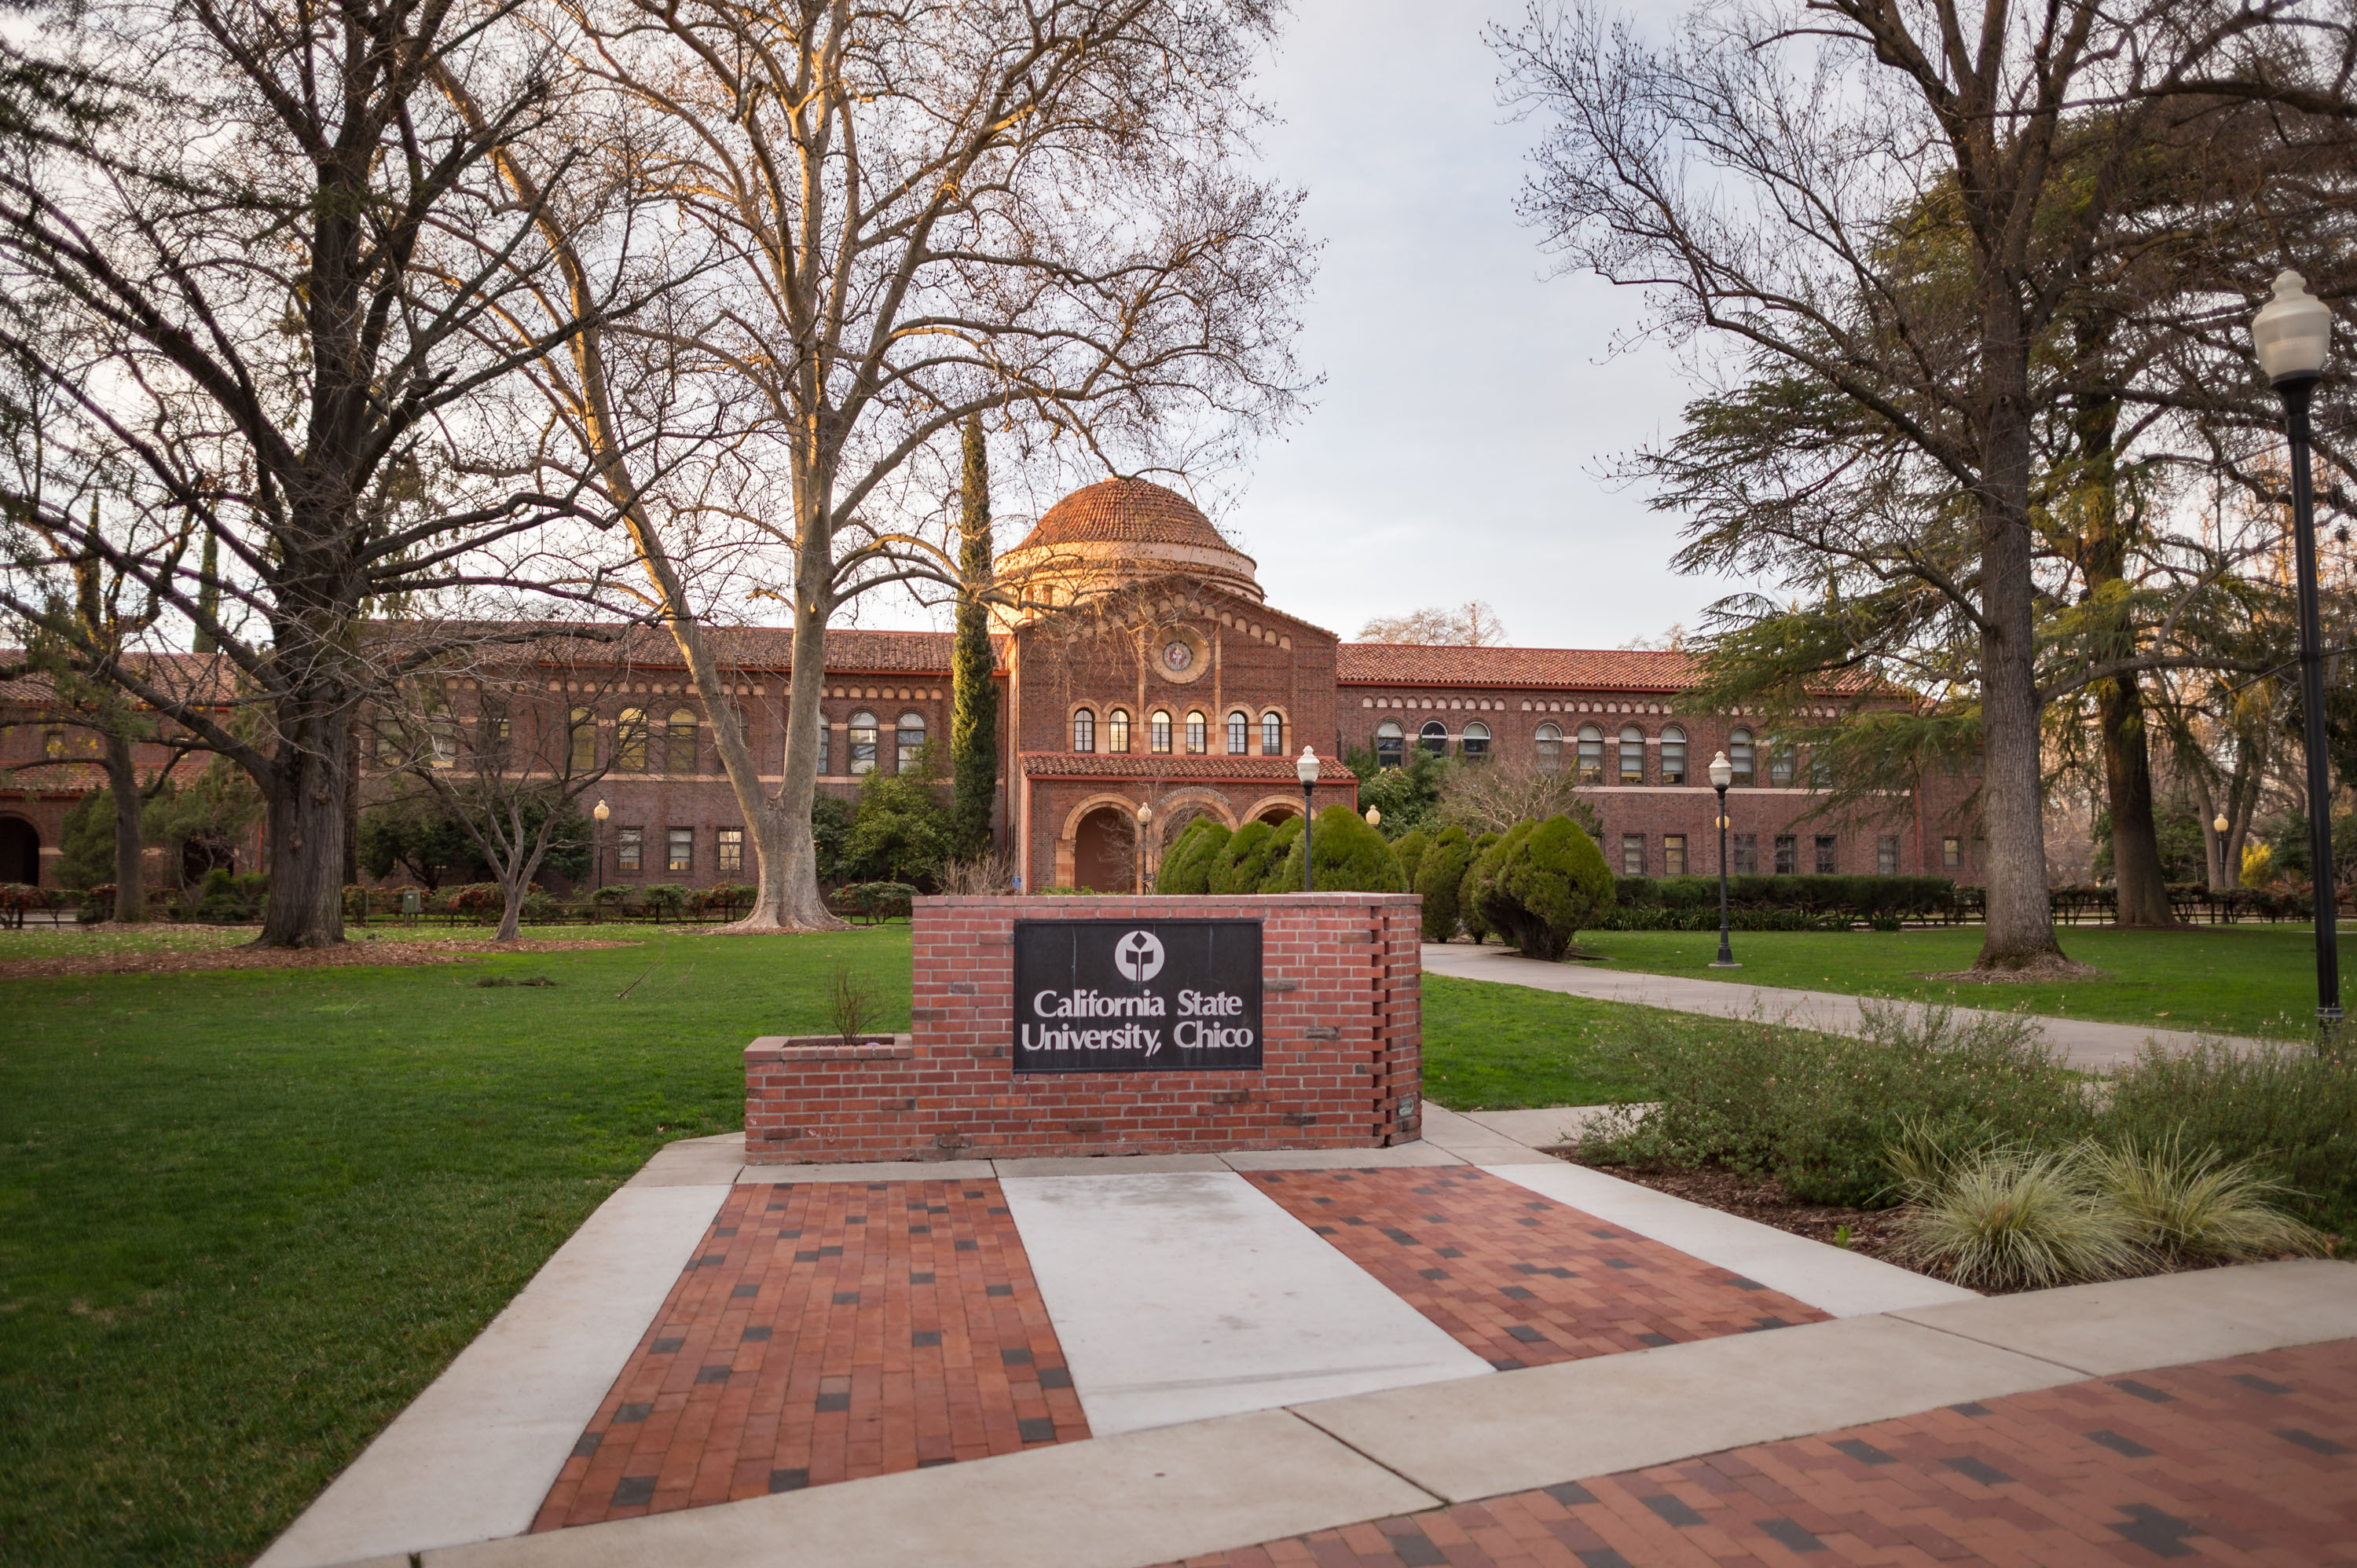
[
  {"x": 207, "y": 595},
  {"x": 973, "y": 718}
]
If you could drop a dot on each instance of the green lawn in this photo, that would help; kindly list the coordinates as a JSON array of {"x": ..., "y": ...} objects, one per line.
[
  {"x": 2243, "y": 980},
  {"x": 1504, "y": 1047},
  {"x": 246, "y": 1215}
]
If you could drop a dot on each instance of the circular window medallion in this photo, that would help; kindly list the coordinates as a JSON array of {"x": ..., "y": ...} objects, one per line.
[{"x": 1181, "y": 654}]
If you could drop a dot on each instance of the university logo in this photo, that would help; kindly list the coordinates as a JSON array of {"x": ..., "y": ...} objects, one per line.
[{"x": 1138, "y": 956}]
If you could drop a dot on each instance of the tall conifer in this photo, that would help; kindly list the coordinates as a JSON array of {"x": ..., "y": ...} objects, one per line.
[{"x": 973, "y": 719}]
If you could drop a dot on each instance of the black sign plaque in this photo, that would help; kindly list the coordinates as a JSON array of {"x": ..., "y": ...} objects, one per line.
[{"x": 1136, "y": 996}]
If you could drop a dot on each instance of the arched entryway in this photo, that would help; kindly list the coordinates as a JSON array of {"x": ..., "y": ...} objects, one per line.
[
  {"x": 20, "y": 852},
  {"x": 1105, "y": 853}
]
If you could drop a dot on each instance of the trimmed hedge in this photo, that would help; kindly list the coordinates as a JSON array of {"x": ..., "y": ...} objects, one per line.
[
  {"x": 1540, "y": 885},
  {"x": 1238, "y": 866},
  {"x": 1187, "y": 864},
  {"x": 1440, "y": 877},
  {"x": 1410, "y": 849},
  {"x": 1352, "y": 858},
  {"x": 1858, "y": 896}
]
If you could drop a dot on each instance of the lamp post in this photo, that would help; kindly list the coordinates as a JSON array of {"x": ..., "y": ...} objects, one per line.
[
  {"x": 1304, "y": 769},
  {"x": 598, "y": 813},
  {"x": 2291, "y": 334},
  {"x": 1722, "y": 774},
  {"x": 1144, "y": 821},
  {"x": 2219, "y": 827}
]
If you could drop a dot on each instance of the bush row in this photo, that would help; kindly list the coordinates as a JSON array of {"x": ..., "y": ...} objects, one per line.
[
  {"x": 1350, "y": 857},
  {"x": 1856, "y": 896},
  {"x": 1822, "y": 1113}
]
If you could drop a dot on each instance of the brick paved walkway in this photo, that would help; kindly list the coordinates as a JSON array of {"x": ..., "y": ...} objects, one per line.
[
  {"x": 825, "y": 1333},
  {"x": 1519, "y": 1279},
  {"x": 2251, "y": 1460}
]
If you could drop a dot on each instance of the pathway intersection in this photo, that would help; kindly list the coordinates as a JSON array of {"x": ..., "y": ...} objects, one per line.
[{"x": 1458, "y": 1351}]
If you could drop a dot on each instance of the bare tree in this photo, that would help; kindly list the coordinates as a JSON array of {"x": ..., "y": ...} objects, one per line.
[
  {"x": 1772, "y": 178},
  {"x": 256, "y": 256},
  {"x": 505, "y": 754},
  {"x": 1492, "y": 796},
  {"x": 1473, "y": 624},
  {"x": 1036, "y": 212}
]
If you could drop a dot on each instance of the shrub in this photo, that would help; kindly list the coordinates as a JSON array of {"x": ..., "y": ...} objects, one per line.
[
  {"x": 2290, "y": 1115},
  {"x": 665, "y": 899},
  {"x": 1855, "y": 896},
  {"x": 1468, "y": 910},
  {"x": 1540, "y": 884},
  {"x": 2179, "y": 1201},
  {"x": 2007, "y": 1217},
  {"x": 1440, "y": 877},
  {"x": 1238, "y": 866},
  {"x": 902, "y": 833},
  {"x": 1410, "y": 848},
  {"x": 1186, "y": 866},
  {"x": 1821, "y": 1111},
  {"x": 725, "y": 899},
  {"x": 1352, "y": 858},
  {"x": 1280, "y": 845},
  {"x": 872, "y": 902}
]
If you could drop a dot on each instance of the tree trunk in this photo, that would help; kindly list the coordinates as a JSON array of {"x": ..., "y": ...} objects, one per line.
[
  {"x": 973, "y": 721},
  {"x": 304, "y": 793},
  {"x": 2021, "y": 920},
  {"x": 130, "y": 846},
  {"x": 2136, "y": 874}
]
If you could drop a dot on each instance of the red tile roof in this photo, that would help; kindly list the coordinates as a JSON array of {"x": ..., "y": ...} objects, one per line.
[
  {"x": 1134, "y": 511},
  {"x": 1601, "y": 669},
  {"x": 1160, "y": 767}
]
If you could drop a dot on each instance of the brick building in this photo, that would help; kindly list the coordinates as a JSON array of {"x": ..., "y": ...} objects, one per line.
[{"x": 1147, "y": 670}]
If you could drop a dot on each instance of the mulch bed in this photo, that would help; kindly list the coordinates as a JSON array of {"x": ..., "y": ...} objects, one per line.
[
  {"x": 1763, "y": 1199},
  {"x": 372, "y": 954}
]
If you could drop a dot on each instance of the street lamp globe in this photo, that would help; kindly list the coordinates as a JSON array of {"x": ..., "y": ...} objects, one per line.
[
  {"x": 2292, "y": 332},
  {"x": 1144, "y": 816},
  {"x": 2221, "y": 825},
  {"x": 1722, "y": 771},
  {"x": 1374, "y": 818},
  {"x": 1305, "y": 768},
  {"x": 602, "y": 810}
]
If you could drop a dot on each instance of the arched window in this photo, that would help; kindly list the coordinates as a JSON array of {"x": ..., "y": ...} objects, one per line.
[
  {"x": 1548, "y": 743},
  {"x": 1739, "y": 757},
  {"x": 861, "y": 742},
  {"x": 630, "y": 741},
  {"x": 1084, "y": 730},
  {"x": 910, "y": 732},
  {"x": 1632, "y": 755},
  {"x": 1239, "y": 733},
  {"x": 1391, "y": 744},
  {"x": 1779, "y": 764},
  {"x": 1434, "y": 737},
  {"x": 581, "y": 728},
  {"x": 1272, "y": 734},
  {"x": 442, "y": 727},
  {"x": 1674, "y": 755},
  {"x": 1198, "y": 738},
  {"x": 1591, "y": 755},
  {"x": 679, "y": 742},
  {"x": 1157, "y": 730},
  {"x": 1117, "y": 730},
  {"x": 1475, "y": 744}
]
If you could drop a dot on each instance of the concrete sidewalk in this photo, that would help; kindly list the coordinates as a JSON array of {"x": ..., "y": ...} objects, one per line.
[
  {"x": 2088, "y": 1045},
  {"x": 1155, "y": 1497}
]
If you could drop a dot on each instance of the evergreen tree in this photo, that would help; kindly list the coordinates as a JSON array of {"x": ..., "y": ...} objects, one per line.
[{"x": 974, "y": 718}]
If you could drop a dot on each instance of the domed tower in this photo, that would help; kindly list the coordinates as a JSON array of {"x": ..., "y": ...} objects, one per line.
[{"x": 1114, "y": 532}]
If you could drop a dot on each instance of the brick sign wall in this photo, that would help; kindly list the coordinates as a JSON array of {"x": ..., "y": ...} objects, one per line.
[{"x": 1342, "y": 1047}]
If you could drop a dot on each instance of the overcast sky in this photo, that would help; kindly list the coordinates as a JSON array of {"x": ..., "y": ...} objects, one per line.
[
  {"x": 1470, "y": 406},
  {"x": 1456, "y": 447}
]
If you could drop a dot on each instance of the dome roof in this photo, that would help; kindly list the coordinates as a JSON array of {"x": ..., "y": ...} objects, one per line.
[
  {"x": 1125, "y": 511},
  {"x": 1114, "y": 532}
]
